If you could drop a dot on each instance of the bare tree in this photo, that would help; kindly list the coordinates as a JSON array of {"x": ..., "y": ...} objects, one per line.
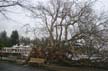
[
  {"x": 86, "y": 26},
  {"x": 58, "y": 15},
  {"x": 4, "y": 4}
]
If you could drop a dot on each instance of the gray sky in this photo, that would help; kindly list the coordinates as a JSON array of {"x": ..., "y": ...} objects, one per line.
[{"x": 19, "y": 18}]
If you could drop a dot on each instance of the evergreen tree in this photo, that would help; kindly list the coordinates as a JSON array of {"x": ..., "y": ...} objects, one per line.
[
  {"x": 3, "y": 39},
  {"x": 14, "y": 38}
]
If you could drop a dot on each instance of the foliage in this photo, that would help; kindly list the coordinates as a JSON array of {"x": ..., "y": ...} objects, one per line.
[
  {"x": 14, "y": 37},
  {"x": 4, "y": 40}
]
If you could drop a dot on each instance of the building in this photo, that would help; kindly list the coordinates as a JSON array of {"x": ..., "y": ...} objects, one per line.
[{"x": 21, "y": 51}]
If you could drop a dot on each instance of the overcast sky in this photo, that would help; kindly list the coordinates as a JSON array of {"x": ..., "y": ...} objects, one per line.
[{"x": 19, "y": 18}]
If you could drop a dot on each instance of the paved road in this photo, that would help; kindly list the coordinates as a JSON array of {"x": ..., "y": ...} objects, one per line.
[{"x": 14, "y": 67}]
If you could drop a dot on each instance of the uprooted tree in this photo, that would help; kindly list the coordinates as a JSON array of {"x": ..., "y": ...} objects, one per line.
[
  {"x": 72, "y": 23},
  {"x": 69, "y": 23}
]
